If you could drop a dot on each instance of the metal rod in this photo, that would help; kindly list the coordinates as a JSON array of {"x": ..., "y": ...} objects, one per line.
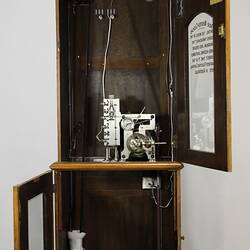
[{"x": 160, "y": 143}]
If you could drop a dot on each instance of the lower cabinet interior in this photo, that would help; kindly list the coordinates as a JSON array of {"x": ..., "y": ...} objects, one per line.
[{"x": 114, "y": 211}]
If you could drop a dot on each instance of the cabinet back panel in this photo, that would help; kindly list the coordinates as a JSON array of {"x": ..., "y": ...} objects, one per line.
[
  {"x": 114, "y": 211},
  {"x": 136, "y": 71},
  {"x": 118, "y": 214}
]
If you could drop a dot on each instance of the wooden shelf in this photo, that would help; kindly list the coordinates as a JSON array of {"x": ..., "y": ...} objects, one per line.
[{"x": 116, "y": 166}]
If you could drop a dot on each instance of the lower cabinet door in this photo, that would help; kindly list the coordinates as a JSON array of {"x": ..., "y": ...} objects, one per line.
[{"x": 33, "y": 213}]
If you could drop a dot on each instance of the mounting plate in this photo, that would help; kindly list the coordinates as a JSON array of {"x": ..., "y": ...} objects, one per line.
[{"x": 151, "y": 182}]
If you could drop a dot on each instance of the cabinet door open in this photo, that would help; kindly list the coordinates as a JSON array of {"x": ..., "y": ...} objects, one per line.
[
  {"x": 33, "y": 214},
  {"x": 202, "y": 74}
]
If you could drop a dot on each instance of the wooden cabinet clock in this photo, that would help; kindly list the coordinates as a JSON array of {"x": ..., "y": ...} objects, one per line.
[{"x": 143, "y": 86}]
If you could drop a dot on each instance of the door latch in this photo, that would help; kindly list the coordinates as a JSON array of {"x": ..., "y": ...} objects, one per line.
[{"x": 222, "y": 31}]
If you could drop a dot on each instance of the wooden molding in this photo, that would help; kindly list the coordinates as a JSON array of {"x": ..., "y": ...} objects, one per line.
[
  {"x": 16, "y": 213},
  {"x": 116, "y": 166},
  {"x": 58, "y": 208},
  {"x": 228, "y": 73}
]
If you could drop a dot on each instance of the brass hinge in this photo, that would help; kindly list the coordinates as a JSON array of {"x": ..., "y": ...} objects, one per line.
[
  {"x": 179, "y": 239},
  {"x": 222, "y": 31},
  {"x": 212, "y": 2}
]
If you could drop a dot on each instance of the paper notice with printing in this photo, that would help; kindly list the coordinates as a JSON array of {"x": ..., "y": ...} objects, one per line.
[{"x": 201, "y": 83}]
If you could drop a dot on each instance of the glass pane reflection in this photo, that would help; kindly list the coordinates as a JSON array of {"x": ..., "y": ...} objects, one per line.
[
  {"x": 35, "y": 223},
  {"x": 201, "y": 83}
]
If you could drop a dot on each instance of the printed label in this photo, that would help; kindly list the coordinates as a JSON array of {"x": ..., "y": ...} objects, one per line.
[{"x": 201, "y": 83}]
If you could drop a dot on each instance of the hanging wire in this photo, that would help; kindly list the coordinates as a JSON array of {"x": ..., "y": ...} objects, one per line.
[
  {"x": 98, "y": 134},
  {"x": 110, "y": 18},
  {"x": 171, "y": 197},
  {"x": 105, "y": 55},
  {"x": 170, "y": 83}
]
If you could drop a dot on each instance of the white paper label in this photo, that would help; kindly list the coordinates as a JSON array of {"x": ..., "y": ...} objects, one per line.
[{"x": 201, "y": 83}]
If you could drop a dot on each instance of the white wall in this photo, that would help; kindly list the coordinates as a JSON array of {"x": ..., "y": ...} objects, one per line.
[
  {"x": 28, "y": 140},
  {"x": 216, "y": 206}
]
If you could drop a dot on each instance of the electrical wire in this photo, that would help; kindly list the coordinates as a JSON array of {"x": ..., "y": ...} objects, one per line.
[
  {"x": 105, "y": 56},
  {"x": 97, "y": 136},
  {"x": 159, "y": 205},
  {"x": 170, "y": 199},
  {"x": 105, "y": 65},
  {"x": 170, "y": 83}
]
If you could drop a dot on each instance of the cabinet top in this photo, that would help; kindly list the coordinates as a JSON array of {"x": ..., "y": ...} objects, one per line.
[{"x": 116, "y": 166}]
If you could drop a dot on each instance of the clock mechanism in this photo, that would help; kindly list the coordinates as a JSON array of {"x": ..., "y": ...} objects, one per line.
[{"x": 127, "y": 137}]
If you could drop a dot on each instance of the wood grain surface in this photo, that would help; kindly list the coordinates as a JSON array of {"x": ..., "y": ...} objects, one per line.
[{"x": 116, "y": 166}]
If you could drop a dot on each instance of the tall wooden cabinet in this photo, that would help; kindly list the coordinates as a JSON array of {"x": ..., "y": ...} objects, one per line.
[{"x": 171, "y": 57}]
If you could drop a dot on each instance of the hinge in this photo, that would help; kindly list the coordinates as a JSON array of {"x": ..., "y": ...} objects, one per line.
[
  {"x": 174, "y": 141},
  {"x": 222, "y": 31},
  {"x": 58, "y": 46},
  {"x": 178, "y": 239},
  {"x": 212, "y": 2}
]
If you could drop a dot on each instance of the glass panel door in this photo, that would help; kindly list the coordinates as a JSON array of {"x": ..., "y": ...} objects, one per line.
[
  {"x": 33, "y": 214},
  {"x": 35, "y": 223}
]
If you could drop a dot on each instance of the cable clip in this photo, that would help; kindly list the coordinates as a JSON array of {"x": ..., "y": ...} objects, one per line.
[{"x": 102, "y": 14}]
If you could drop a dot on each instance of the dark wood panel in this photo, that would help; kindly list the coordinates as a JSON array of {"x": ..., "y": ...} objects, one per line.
[
  {"x": 63, "y": 206},
  {"x": 164, "y": 122},
  {"x": 177, "y": 209},
  {"x": 63, "y": 94},
  {"x": 134, "y": 31},
  {"x": 135, "y": 39},
  {"x": 135, "y": 66},
  {"x": 129, "y": 63},
  {"x": 82, "y": 15},
  {"x": 118, "y": 214}
]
